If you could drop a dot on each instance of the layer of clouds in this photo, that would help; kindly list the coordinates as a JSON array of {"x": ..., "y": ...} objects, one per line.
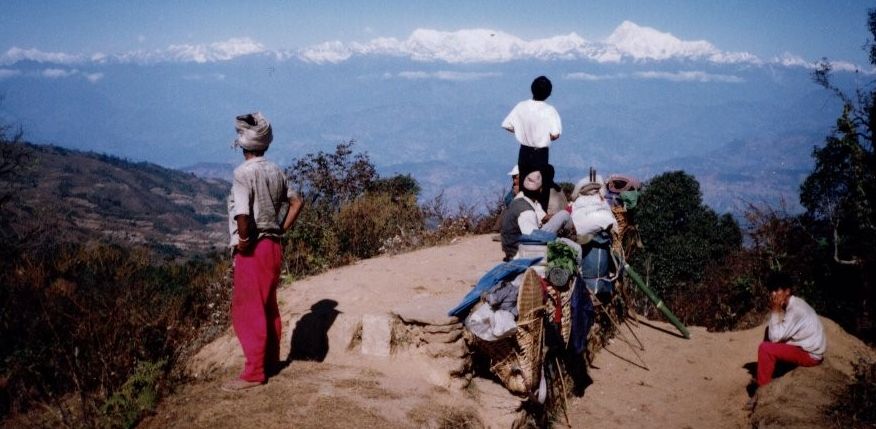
[
  {"x": 443, "y": 75},
  {"x": 594, "y": 77},
  {"x": 51, "y": 73},
  {"x": 205, "y": 77},
  {"x": 689, "y": 76},
  {"x": 7, "y": 73},
  {"x": 677, "y": 76}
]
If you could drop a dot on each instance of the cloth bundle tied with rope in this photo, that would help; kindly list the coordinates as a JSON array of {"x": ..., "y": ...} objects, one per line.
[{"x": 253, "y": 132}]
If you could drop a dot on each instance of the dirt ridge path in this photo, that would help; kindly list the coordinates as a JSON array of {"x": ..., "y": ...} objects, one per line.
[{"x": 695, "y": 383}]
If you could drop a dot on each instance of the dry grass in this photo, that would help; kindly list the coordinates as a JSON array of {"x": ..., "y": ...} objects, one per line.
[{"x": 445, "y": 417}]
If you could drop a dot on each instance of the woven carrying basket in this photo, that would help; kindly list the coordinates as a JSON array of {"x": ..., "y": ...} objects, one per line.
[
  {"x": 530, "y": 329},
  {"x": 564, "y": 297},
  {"x": 516, "y": 360},
  {"x": 623, "y": 223}
]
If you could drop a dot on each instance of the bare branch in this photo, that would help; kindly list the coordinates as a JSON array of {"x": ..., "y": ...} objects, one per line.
[{"x": 853, "y": 261}]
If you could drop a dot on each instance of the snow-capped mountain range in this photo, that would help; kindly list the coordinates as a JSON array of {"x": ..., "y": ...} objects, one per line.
[{"x": 639, "y": 101}]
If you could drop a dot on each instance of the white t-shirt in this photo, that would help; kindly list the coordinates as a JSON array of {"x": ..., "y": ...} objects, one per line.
[
  {"x": 533, "y": 123},
  {"x": 798, "y": 326}
]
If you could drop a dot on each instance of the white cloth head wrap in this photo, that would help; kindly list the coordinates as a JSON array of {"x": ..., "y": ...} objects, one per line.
[
  {"x": 253, "y": 132},
  {"x": 532, "y": 181}
]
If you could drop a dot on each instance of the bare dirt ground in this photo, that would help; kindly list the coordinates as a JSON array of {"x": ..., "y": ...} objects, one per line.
[{"x": 672, "y": 383}]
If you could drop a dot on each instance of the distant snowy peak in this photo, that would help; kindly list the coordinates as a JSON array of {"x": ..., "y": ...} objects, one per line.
[
  {"x": 200, "y": 53},
  {"x": 628, "y": 41},
  {"x": 646, "y": 43},
  {"x": 463, "y": 46}
]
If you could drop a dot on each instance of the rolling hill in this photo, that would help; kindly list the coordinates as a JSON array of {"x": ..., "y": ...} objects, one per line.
[{"x": 84, "y": 195}]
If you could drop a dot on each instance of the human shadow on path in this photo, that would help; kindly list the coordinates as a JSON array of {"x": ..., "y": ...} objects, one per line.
[{"x": 310, "y": 336}]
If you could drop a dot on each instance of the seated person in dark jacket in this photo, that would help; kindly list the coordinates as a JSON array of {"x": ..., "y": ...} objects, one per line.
[{"x": 525, "y": 215}]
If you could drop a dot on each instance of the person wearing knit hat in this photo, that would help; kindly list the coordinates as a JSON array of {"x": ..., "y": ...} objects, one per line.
[
  {"x": 526, "y": 215},
  {"x": 258, "y": 193}
]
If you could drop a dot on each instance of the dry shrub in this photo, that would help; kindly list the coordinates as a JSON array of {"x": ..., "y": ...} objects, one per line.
[
  {"x": 368, "y": 222},
  {"x": 80, "y": 319},
  {"x": 855, "y": 407},
  {"x": 314, "y": 246},
  {"x": 445, "y": 417}
]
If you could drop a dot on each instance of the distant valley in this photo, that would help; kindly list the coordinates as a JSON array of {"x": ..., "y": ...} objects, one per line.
[
  {"x": 83, "y": 196},
  {"x": 745, "y": 129}
]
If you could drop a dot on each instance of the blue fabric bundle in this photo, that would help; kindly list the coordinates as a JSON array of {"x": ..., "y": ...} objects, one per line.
[
  {"x": 503, "y": 271},
  {"x": 595, "y": 264},
  {"x": 582, "y": 317},
  {"x": 538, "y": 237}
]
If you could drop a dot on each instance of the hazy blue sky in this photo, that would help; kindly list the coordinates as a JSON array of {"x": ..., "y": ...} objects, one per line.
[{"x": 808, "y": 28}]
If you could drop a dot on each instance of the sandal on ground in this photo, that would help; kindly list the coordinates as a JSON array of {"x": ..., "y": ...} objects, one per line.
[
  {"x": 751, "y": 404},
  {"x": 237, "y": 385}
]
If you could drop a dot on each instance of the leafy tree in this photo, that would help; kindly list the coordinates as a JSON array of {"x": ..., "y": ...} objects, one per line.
[
  {"x": 682, "y": 236},
  {"x": 333, "y": 178},
  {"x": 840, "y": 194},
  {"x": 350, "y": 212},
  {"x": 396, "y": 186}
]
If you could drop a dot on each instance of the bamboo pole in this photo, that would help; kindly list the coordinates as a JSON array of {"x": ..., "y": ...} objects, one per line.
[{"x": 657, "y": 301}]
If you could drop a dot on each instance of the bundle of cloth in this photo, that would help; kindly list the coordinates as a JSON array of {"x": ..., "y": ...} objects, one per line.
[
  {"x": 619, "y": 186},
  {"x": 590, "y": 211}
]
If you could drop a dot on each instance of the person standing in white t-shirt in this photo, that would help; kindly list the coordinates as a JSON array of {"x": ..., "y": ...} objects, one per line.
[{"x": 535, "y": 124}]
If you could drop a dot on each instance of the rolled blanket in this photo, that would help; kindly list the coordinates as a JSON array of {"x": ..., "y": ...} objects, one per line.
[
  {"x": 253, "y": 132},
  {"x": 618, "y": 183},
  {"x": 591, "y": 214}
]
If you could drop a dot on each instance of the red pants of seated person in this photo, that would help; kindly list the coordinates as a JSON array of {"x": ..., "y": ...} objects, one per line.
[
  {"x": 769, "y": 353},
  {"x": 254, "y": 312}
]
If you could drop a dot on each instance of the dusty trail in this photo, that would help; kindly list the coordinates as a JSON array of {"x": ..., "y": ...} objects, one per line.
[{"x": 695, "y": 383}]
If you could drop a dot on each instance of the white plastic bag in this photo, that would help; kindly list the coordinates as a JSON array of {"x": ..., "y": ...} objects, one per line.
[
  {"x": 490, "y": 325},
  {"x": 503, "y": 324},
  {"x": 478, "y": 322}
]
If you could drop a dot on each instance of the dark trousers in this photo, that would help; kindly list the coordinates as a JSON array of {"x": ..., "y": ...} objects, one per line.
[{"x": 531, "y": 159}]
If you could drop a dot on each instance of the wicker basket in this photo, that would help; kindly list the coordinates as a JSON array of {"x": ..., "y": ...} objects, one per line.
[
  {"x": 530, "y": 329},
  {"x": 564, "y": 298},
  {"x": 516, "y": 360}
]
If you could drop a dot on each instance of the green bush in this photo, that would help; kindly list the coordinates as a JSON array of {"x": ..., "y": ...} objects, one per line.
[
  {"x": 138, "y": 396},
  {"x": 685, "y": 244}
]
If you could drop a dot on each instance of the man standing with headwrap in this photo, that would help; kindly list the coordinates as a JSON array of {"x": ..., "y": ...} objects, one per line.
[{"x": 257, "y": 195}]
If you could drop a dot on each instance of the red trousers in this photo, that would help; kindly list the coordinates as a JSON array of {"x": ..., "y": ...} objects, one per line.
[
  {"x": 254, "y": 312},
  {"x": 769, "y": 353}
]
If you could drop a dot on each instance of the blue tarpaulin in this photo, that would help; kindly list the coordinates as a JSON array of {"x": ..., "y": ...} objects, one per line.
[{"x": 503, "y": 271}]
